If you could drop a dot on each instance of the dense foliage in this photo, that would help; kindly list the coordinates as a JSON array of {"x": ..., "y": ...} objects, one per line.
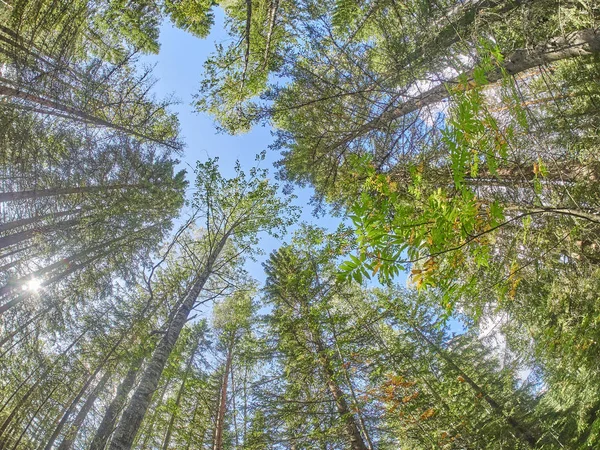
[{"x": 455, "y": 307}]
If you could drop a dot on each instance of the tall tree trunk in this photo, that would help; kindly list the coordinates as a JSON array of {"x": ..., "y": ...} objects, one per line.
[
  {"x": 81, "y": 392},
  {"x": 361, "y": 421},
  {"x": 580, "y": 43},
  {"x": 315, "y": 335},
  {"x": 520, "y": 429},
  {"x": 16, "y": 262},
  {"x": 21, "y": 236},
  {"x": 71, "y": 434},
  {"x": 68, "y": 410},
  {"x": 109, "y": 419},
  {"x": 71, "y": 112},
  {"x": 356, "y": 440},
  {"x": 30, "y": 220},
  {"x": 14, "y": 285},
  {"x": 52, "y": 192},
  {"x": 136, "y": 410},
  {"x": 190, "y": 428},
  {"x": 23, "y": 400},
  {"x": 456, "y": 25},
  {"x": 41, "y": 405},
  {"x": 188, "y": 368},
  {"x": 9, "y": 336},
  {"x": 222, "y": 409},
  {"x": 147, "y": 433}
]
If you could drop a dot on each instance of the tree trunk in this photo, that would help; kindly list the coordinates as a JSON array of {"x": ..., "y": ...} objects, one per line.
[
  {"x": 361, "y": 421},
  {"x": 69, "y": 409},
  {"x": 456, "y": 26},
  {"x": 23, "y": 400},
  {"x": 190, "y": 428},
  {"x": 188, "y": 368},
  {"x": 520, "y": 429},
  {"x": 21, "y": 236},
  {"x": 580, "y": 43},
  {"x": 220, "y": 421},
  {"x": 356, "y": 440},
  {"x": 72, "y": 113},
  {"x": 30, "y": 220},
  {"x": 71, "y": 433},
  {"x": 147, "y": 433},
  {"x": 35, "y": 415},
  {"x": 52, "y": 192},
  {"x": 22, "y": 327},
  {"x": 75, "y": 401},
  {"x": 14, "y": 285},
  {"x": 116, "y": 405},
  {"x": 136, "y": 410}
]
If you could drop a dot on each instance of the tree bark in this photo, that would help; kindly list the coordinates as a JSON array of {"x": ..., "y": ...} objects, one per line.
[
  {"x": 456, "y": 25},
  {"x": 356, "y": 440},
  {"x": 52, "y": 192},
  {"x": 81, "y": 392},
  {"x": 21, "y": 236},
  {"x": 23, "y": 400},
  {"x": 30, "y": 220},
  {"x": 35, "y": 415},
  {"x": 222, "y": 409},
  {"x": 109, "y": 419},
  {"x": 71, "y": 434},
  {"x": 136, "y": 410},
  {"x": 14, "y": 285},
  {"x": 188, "y": 368},
  {"x": 580, "y": 43},
  {"x": 72, "y": 113},
  {"x": 520, "y": 429},
  {"x": 69, "y": 410}
]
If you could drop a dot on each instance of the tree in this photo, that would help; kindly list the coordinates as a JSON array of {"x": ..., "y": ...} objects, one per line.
[
  {"x": 301, "y": 281},
  {"x": 235, "y": 210}
]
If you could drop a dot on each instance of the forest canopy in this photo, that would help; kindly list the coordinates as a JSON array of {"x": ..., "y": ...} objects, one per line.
[{"x": 156, "y": 296}]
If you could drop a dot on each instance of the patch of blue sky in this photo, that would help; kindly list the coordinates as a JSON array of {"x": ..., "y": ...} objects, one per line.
[{"x": 178, "y": 69}]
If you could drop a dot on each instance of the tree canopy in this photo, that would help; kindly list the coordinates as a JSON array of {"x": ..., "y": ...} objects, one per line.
[{"x": 454, "y": 307}]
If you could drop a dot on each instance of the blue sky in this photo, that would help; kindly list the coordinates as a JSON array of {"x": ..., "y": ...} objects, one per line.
[{"x": 178, "y": 68}]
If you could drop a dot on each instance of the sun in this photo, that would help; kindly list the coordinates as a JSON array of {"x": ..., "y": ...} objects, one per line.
[{"x": 32, "y": 285}]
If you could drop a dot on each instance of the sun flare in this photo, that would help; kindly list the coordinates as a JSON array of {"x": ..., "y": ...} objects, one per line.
[{"x": 33, "y": 285}]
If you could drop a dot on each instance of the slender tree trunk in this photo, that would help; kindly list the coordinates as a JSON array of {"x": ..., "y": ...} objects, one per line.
[
  {"x": 71, "y": 433},
  {"x": 116, "y": 405},
  {"x": 53, "y": 192},
  {"x": 65, "y": 262},
  {"x": 14, "y": 285},
  {"x": 520, "y": 429},
  {"x": 220, "y": 422},
  {"x": 21, "y": 236},
  {"x": 23, "y": 326},
  {"x": 456, "y": 25},
  {"x": 16, "y": 262},
  {"x": 15, "y": 344},
  {"x": 136, "y": 410},
  {"x": 75, "y": 401},
  {"x": 352, "y": 430},
  {"x": 190, "y": 428},
  {"x": 41, "y": 405},
  {"x": 23, "y": 400},
  {"x": 188, "y": 368},
  {"x": 35, "y": 219},
  {"x": 361, "y": 421},
  {"x": 580, "y": 43},
  {"x": 147, "y": 433},
  {"x": 68, "y": 410},
  {"x": 356, "y": 440},
  {"x": 71, "y": 112}
]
